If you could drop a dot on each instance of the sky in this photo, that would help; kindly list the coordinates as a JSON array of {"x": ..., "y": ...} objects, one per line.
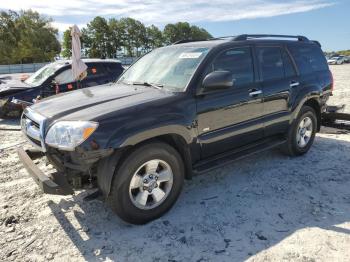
[{"x": 327, "y": 21}]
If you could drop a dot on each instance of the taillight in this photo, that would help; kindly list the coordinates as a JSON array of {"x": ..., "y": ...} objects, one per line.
[{"x": 332, "y": 82}]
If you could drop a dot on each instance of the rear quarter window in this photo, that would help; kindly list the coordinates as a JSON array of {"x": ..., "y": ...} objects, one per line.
[{"x": 309, "y": 58}]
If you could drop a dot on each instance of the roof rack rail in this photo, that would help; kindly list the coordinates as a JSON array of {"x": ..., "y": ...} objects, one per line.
[
  {"x": 247, "y": 36},
  {"x": 223, "y": 37},
  {"x": 188, "y": 41}
]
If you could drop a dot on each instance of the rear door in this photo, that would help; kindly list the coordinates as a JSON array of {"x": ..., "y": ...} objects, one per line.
[
  {"x": 114, "y": 70},
  {"x": 97, "y": 74},
  {"x": 278, "y": 78},
  {"x": 230, "y": 118}
]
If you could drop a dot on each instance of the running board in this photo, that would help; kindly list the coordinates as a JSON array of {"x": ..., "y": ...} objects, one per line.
[{"x": 228, "y": 157}]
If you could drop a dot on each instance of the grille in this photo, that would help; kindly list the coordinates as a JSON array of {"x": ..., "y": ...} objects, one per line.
[
  {"x": 32, "y": 124},
  {"x": 36, "y": 142}
]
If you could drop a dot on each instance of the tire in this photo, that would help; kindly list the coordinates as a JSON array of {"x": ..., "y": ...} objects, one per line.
[
  {"x": 129, "y": 190},
  {"x": 295, "y": 146}
]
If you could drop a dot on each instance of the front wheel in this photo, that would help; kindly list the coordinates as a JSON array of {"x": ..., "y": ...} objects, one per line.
[
  {"x": 302, "y": 132},
  {"x": 147, "y": 183}
]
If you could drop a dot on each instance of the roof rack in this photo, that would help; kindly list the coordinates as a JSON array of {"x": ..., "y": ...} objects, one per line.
[
  {"x": 188, "y": 41},
  {"x": 247, "y": 36}
]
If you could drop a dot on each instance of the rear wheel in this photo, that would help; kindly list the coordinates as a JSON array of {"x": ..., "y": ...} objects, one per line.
[
  {"x": 302, "y": 132},
  {"x": 147, "y": 183}
]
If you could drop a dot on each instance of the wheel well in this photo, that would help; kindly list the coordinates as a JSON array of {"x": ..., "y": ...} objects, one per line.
[
  {"x": 315, "y": 105},
  {"x": 174, "y": 140}
]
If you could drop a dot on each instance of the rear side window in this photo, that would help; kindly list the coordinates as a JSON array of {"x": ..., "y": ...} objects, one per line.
[
  {"x": 113, "y": 67},
  {"x": 95, "y": 70},
  {"x": 270, "y": 63},
  {"x": 239, "y": 62},
  {"x": 309, "y": 59}
]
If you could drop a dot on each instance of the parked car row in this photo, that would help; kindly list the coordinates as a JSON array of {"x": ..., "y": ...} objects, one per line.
[
  {"x": 52, "y": 79},
  {"x": 338, "y": 60}
]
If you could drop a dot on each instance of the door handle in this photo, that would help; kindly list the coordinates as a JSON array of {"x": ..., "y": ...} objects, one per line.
[
  {"x": 254, "y": 93},
  {"x": 294, "y": 84}
]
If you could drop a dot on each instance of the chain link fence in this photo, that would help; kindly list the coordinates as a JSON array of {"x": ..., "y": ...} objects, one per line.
[{"x": 30, "y": 68}]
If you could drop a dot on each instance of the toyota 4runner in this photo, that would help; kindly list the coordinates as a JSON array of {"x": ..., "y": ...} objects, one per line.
[{"x": 179, "y": 110}]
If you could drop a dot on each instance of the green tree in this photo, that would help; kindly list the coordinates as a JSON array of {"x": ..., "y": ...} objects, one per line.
[
  {"x": 96, "y": 38},
  {"x": 134, "y": 35},
  {"x": 154, "y": 38},
  {"x": 67, "y": 44},
  {"x": 9, "y": 36},
  {"x": 27, "y": 37},
  {"x": 117, "y": 35},
  {"x": 183, "y": 30}
]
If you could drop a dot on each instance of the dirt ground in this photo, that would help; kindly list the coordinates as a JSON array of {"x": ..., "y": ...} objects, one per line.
[{"x": 267, "y": 207}]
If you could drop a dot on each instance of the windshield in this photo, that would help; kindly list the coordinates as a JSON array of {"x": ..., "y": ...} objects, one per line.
[
  {"x": 42, "y": 74},
  {"x": 170, "y": 68}
]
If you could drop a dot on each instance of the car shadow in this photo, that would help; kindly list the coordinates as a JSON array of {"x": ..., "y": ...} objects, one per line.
[{"x": 228, "y": 214}]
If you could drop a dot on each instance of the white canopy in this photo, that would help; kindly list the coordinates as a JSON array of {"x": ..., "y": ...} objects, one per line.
[{"x": 78, "y": 66}]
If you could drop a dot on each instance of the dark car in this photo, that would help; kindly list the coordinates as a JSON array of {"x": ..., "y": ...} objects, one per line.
[
  {"x": 52, "y": 79},
  {"x": 178, "y": 111}
]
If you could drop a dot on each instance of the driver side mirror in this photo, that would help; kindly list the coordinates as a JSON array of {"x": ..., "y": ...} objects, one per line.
[{"x": 217, "y": 80}]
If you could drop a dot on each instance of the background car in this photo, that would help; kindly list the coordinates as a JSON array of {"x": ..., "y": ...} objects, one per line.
[
  {"x": 336, "y": 60},
  {"x": 54, "y": 78}
]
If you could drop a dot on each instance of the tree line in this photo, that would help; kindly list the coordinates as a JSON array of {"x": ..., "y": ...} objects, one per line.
[
  {"x": 104, "y": 38},
  {"x": 27, "y": 37}
]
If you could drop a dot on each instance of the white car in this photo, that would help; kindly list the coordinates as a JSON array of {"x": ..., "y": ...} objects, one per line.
[{"x": 336, "y": 60}]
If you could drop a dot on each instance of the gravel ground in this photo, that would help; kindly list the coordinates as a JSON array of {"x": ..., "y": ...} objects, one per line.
[{"x": 267, "y": 207}]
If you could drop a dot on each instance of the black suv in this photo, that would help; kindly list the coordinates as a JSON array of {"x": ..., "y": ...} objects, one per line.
[
  {"x": 180, "y": 110},
  {"x": 52, "y": 79}
]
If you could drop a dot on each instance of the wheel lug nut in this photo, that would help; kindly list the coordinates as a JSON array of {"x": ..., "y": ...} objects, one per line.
[
  {"x": 145, "y": 181},
  {"x": 144, "y": 188},
  {"x": 150, "y": 176},
  {"x": 149, "y": 190}
]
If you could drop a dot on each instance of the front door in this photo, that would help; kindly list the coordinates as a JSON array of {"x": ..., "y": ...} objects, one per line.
[{"x": 231, "y": 118}]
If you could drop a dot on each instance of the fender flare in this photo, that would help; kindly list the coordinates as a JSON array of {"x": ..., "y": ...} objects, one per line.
[
  {"x": 106, "y": 168},
  {"x": 297, "y": 107}
]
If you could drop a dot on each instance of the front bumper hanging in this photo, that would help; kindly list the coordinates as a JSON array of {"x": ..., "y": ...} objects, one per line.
[{"x": 55, "y": 185}]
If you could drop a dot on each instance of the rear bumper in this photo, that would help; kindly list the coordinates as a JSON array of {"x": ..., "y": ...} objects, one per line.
[{"x": 55, "y": 186}]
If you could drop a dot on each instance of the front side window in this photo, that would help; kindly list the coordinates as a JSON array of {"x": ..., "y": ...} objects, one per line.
[
  {"x": 170, "y": 67},
  {"x": 239, "y": 62},
  {"x": 65, "y": 77},
  {"x": 43, "y": 74},
  {"x": 270, "y": 63}
]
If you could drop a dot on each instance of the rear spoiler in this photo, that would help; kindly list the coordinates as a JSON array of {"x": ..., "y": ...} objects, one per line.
[{"x": 316, "y": 42}]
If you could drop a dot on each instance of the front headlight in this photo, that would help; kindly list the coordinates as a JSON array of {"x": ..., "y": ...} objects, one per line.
[{"x": 67, "y": 135}]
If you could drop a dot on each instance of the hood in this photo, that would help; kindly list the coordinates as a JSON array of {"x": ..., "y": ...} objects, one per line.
[
  {"x": 10, "y": 85},
  {"x": 95, "y": 102}
]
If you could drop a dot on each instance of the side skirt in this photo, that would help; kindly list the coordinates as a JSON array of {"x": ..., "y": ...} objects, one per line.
[{"x": 226, "y": 158}]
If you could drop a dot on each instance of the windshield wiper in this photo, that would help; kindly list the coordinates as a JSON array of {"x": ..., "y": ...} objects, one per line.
[{"x": 158, "y": 86}]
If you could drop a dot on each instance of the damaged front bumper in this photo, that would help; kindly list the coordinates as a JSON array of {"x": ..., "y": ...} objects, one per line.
[{"x": 56, "y": 184}]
